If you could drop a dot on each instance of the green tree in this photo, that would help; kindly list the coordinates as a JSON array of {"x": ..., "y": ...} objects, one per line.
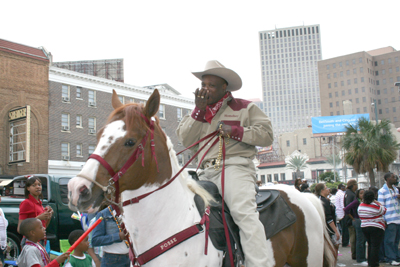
[
  {"x": 369, "y": 146},
  {"x": 327, "y": 177},
  {"x": 297, "y": 163},
  {"x": 335, "y": 163}
]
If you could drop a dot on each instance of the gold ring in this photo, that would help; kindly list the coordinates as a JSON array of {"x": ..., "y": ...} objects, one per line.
[{"x": 202, "y": 96}]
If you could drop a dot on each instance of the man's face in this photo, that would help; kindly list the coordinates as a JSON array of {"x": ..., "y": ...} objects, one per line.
[
  {"x": 216, "y": 87},
  {"x": 392, "y": 180}
]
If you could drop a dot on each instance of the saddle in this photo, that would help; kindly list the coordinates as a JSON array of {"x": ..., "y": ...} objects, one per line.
[{"x": 275, "y": 214}]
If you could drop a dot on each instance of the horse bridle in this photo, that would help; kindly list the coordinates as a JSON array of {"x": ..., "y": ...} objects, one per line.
[{"x": 113, "y": 182}]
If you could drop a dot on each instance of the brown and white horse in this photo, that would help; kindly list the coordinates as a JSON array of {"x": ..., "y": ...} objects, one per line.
[{"x": 156, "y": 207}]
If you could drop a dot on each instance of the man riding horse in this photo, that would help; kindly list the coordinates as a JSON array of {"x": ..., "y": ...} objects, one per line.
[{"x": 244, "y": 126}]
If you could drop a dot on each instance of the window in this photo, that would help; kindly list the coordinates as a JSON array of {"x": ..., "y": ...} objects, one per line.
[
  {"x": 263, "y": 179},
  {"x": 394, "y": 109},
  {"x": 337, "y": 103},
  {"x": 92, "y": 98},
  {"x": 65, "y": 151},
  {"x": 355, "y": 80},
  {"x": 179, "y": 114},
  {"x": 92, "y": 125},
  {"x": 354, "y": 71},
  {"x": 63, "y": 182},
  {"x": 362, "y": 79},
  {"x": 79, "y": 150},
  {"x": 382, "y": 62},
  {"x": 65, "y": 93},
  {"x": 283, "y": 177},
  {"x": 269, "y": 177},
  {"x": 276, "y": 177},
  {"x": 130, "y": 100},
  {"x": 364, "y": 99},
  {"x": 341, "y": 74},
  {"x": 91, "y": 149},
  {"x": 121, "y": 99},
  {"x": 161, "y": 112},
  {"x": 357, "y": 100},
  {"x": 18, "y": 137},
  {"x": 348, "y": 82},
  {"x": 64, "y": 122},
  {"x": 304, "y": 141},
  {"x": 356, "y": 90},
  {"x": 288, "y": 143},
  {"x": 349, "y": 91},
  {"x": 79, "y": 92},
  {"x": 365, "y": 109},
  {"x": 343, "y": 93},
  {"x": 342, "y": 83},
  {"x": 358, "y": 110},
  {"x": 330, "y": 95},
  {"x": 330, "y": 104},
  {"x": 347, "y": 72},
  {"x": 180, "y": 160},
  {"x": 361, "y": 69},
  {"x": 337, "y": 94},
  {"x": 78, "y": 120},
  {"x": 329, "y": 85}
]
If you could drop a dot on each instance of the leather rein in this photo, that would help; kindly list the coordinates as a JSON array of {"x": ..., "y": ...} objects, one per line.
[{"x": 113, "y": 189}]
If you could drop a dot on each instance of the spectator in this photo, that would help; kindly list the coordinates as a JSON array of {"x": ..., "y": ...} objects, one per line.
[
  {"x": 339, "y": 204},
  {"x": 297, "y": 183},
  {"x": 351, "y": 210},
  {"x": 32, "y": 206},
  {"x": 330, "y": 215},
  {"x": 388, "y": 196},
  {"x": 373, "y": 225},
  {"x": 349, "y": 197},
  {"x": 305, "y": 188},
  {"x": 33, "y": 254},
  {"x": 3, "y": 233},
  {"x": 332, "y": 197},
  {"x": 79, "y": 258},
  {"x": 108, "y": 235}
]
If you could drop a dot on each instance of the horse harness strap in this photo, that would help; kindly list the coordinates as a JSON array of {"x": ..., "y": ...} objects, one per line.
[{"x": 174, "y": 240}]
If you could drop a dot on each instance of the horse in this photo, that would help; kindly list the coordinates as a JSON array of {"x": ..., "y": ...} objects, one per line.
[{"x": 133, "y": 150}]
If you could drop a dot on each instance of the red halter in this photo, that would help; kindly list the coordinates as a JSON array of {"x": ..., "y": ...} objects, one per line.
[{"x": 135, "y": 155}]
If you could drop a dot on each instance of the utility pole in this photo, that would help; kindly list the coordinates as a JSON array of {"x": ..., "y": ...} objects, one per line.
[{"x": 333, "y": 157}]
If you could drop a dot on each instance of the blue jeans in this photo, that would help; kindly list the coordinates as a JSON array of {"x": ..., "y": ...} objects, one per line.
[
  {"x": 360, "y": 241},
  {"x": 117, "y": 260},
  {"x": 391, "y": 241}
]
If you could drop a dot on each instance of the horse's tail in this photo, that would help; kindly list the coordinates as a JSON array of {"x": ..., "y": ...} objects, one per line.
[{"x": 330, "y": 252}]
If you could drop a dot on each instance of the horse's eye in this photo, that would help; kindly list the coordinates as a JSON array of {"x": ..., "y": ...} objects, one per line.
[{"x": 129, "y": 142}]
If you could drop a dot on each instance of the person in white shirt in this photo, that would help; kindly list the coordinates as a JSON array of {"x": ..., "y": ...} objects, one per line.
[{"x": 339, "y": 203}]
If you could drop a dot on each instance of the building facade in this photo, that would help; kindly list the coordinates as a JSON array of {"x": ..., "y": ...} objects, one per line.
[
  {"x": 80, "y": 105},
  {"x": 289, "y": 69},
  {"x": 366, "y": 79},
  {"x": 24, "y": 113}
]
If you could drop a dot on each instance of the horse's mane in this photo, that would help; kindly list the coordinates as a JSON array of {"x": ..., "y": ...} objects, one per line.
[
  {"x": 183, "y": 176},
  {"x": 130, "y": 113}
]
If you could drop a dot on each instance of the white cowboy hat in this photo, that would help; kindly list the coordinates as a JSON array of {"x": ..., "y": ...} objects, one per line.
[{"x": 213, "y": 67}]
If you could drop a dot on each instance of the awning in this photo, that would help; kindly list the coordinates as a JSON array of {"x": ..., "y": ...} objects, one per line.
[{"x": 6, "y": 182}]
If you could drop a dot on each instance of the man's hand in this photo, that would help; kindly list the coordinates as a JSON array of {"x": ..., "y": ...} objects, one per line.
[
  {"x": 200, "y": 98},
  {"x": 225, "y": 130},
  {"x": 122, "y": 236}
]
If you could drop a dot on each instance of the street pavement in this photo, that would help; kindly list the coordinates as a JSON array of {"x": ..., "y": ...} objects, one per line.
[{"x": 344, "y": 257}]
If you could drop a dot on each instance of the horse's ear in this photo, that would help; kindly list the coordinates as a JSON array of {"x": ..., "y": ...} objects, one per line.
[
  {"x": 115, "y": 100},
  {"x": 152, "y": 104}
]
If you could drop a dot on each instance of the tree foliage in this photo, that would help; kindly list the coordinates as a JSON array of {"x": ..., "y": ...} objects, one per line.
[
  {"x": 297, "y": 163},
  {"x": 327, "y": 177},
  {"x": 369, "y": 146}
]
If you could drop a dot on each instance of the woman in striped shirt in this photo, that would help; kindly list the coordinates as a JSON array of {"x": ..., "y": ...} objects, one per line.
[{"x": 373, "y": 225}]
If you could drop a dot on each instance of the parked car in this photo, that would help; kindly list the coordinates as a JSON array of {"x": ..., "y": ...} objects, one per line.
[{"x": 55, "y": 194}]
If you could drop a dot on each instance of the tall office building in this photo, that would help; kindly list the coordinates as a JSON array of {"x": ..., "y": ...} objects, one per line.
[
  {"x": 290, "y": 76},
  {"x": 362, "y": 80}
]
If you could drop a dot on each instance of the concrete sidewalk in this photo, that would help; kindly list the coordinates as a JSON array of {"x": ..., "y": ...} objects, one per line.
[{"x": 345, "y": 258}]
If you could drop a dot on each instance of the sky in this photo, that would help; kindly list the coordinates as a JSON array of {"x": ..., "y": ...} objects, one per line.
[{"x": 164, "y": 41}]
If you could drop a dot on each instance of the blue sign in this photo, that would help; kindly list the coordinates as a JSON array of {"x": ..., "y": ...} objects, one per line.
[{"x": 335, "y": 124}]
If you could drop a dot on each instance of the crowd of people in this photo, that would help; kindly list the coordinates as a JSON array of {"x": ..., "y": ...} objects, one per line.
[{"x": 361, "y": 219}]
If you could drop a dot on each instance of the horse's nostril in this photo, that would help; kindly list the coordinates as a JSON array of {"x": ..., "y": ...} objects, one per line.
[{"x": 84, "y": 190}]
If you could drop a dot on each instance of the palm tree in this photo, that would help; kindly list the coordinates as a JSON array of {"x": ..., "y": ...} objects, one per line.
[
  {"x": 369, "y": 146},
  {"x": 297, "y": 163},
  {"x": 334, "y": 163}
]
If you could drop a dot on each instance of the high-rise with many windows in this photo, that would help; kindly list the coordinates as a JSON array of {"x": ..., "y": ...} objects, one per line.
[{"x": 290, "y": 76}]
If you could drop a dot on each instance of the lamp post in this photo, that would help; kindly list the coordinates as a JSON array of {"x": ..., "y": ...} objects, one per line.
[{"x": 376, "y": 111}]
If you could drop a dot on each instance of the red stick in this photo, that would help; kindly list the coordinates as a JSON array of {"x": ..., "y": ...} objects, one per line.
[{"x": 80, "y": 239}]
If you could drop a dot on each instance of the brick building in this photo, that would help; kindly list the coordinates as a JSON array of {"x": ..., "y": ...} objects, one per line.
[
  {"x": 24, "y": 109},
  {"x": 79, "y": 105}
]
